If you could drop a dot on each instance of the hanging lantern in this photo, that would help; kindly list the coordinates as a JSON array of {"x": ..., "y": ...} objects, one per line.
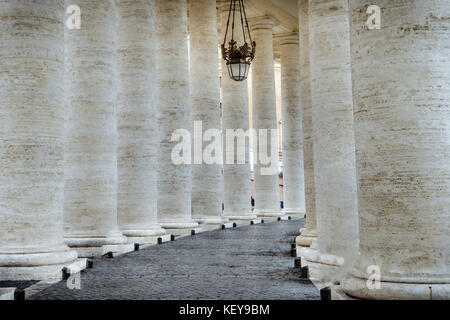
[{"x": 238, "y": 58}]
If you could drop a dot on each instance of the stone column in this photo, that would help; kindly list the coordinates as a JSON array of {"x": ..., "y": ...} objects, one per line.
[
  {"x": 293, "y": 170},
  {"x": 90, "y": 210},
  {"x": 236, "y": 177},
  {"x": 137, "y": 126},
  {"x": 308, "y": 233},
  {"x": 205, "y": 103},
  {"x": 172, "y": 71},
  {"x": 267, "y": 194},
  {"x": 31, "y": 135},
  {"x": 401, "y": 91},
  {"x": 334, "y": 144}
]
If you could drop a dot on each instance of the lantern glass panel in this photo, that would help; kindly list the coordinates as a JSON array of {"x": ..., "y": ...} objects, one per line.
[{"x": 238, "y": 71}]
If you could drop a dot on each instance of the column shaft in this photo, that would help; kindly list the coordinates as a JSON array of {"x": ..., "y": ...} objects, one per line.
[
  {"x": 401, "y": 91},
  {"x": 310, "y": 231},
  {"x": 205, "y": 103},
  {"x": 172, "y": 71},
  {"x": 236, "y": 177},
  {"x": 267, "y": 194},
  {"x": 334, "y": 146},
  {"x": 137, "y": 126},
  {"x": 31, "y": 136},
  {"x": 90, "y": 210},
  {"x": 293, "y": 169}
]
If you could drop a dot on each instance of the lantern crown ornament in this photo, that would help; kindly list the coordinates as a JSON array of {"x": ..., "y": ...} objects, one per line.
[{"x": 238, "y": 58}]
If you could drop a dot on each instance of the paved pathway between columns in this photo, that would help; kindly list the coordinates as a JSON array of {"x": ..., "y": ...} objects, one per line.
[{"x": 250, "y": 262}]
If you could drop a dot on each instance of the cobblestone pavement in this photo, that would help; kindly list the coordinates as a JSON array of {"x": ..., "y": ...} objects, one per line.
[{"x": 250, "y": 262}]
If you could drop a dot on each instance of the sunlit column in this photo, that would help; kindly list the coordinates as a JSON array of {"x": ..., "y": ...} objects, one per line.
[
  {"x": 267, "y": 195},
  {"x": 90, "y": 210},
  {"x": 293, "y": 170},
  {"x": 174, "y": 112},
  {"x": 137, "y": 125},
  {"x": 205, "y": 103},
  {"x": 236, "y": 177},
  {"x": 31, "y": 136},
  {"x": 309, "y": 232},
  {"x": 334, "y": 144}
]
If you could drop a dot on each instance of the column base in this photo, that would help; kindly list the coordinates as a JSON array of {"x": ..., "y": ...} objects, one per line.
[
  {"x": 323, "y": 268},
  {"x": 237, "y": 216},
  {"x": 35, "y": 264},
  {"x": 115, "y": 249},
  {"x": 144, "y": 236},
  {"x": 7, "y": 294},
  {"x": 297, "y": 213},
  {"x": 188, "y": 224},
  {"x": 306, "y": 237},
  {"x": 211, "y": 220},
  {"x": 89, "y": 246},
  {"x": 268, "y": 213},
  {"x": 211, "y": 223},
  {"x": 357, "y": 288}
]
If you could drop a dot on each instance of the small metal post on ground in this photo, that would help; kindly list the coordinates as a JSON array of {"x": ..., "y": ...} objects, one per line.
[
  {"x": 293, "y": 250},
  {"x": 19, "y": 295},
  {"x": 65, "y": 274},
  {"x": 108, "y": 255},
  {"x": 325, "y": 293},
  {"x": 298, "y": 263},
  {"x": 304, "y": 273}
]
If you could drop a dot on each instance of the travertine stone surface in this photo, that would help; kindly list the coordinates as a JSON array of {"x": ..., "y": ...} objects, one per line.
[
  {"x": 236, "y": 177},
  {"x": 31, "y": 136},
  {"x": 205, "y": 104},
  {"x": 334, "y": 144},
  {"x": 90, "y": 210},
  {"x": 293, "y": 170},
  {"x": 172, "y": 71},
  {"x": 401, "y": 91},
  {"x": 310, "y": 231},
  {"x": 137, "y": 125},
  {"x": 267, "y": 195}
]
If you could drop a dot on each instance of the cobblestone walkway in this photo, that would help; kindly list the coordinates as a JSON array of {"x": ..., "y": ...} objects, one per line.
[{"x": 250, "y": 262}]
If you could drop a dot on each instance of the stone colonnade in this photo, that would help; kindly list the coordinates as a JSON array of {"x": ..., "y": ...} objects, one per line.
[{"x": 87, "y": 117}]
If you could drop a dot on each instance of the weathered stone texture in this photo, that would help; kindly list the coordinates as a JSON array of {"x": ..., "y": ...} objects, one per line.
[
  {"x": 31, "y": 139},
  {"x": 334, "y": 145},
  {"x": 310, "y": 230},
  {"x": 236, "y": 177},
  {"x": 174, "y": 112},
  {"x": 205, "y": 103},
  {"x": 401, "y": 95},
  {"x": 267, "y": 196},
  {"x": 293, "y": 170},
  {"x": 90, "y": 210},
  {"x": 137, "y": 126}
]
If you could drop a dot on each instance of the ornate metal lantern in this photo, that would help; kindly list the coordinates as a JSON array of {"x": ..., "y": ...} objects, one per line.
[{"x": 238, "y": 58}]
